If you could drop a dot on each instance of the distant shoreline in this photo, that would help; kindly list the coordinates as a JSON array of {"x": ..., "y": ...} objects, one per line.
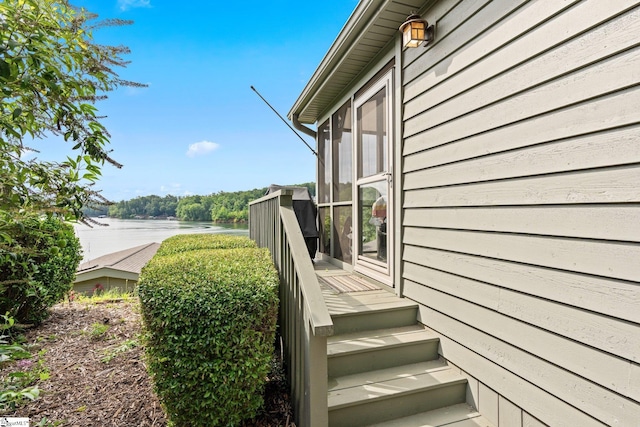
[{"x": 168, "y": 218}]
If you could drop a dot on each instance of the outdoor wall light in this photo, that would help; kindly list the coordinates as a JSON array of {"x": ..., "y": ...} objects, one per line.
[{"x": 416, "y": 30}]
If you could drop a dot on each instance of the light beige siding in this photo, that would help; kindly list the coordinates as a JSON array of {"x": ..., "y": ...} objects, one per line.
[
  {"x": 521, "y": 204},
  {"x": 108, "y": 284}
]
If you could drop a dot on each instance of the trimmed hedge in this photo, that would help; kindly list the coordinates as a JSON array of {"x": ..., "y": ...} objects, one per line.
[
  {"x": 210, "y": 320},
  {"x": 191, "y": 242}
]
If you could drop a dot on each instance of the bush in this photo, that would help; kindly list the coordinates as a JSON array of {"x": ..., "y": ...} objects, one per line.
[
  {"x": 210, "y": 318},
  {"x": 39, "y": 257},
  {"x": 192, "y": 242}
]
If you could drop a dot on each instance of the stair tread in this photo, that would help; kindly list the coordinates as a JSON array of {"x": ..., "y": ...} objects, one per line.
[
  {"x": 364, "y": 341},
  {"x": 379, "y": 305},
  {"x": 381, "y": 375},
  {"x": 460, "y": 415},
  {"x": 384, "y": 383},
  {"x": 357, "y": 297},
  {"x": 379, "y": 332}
]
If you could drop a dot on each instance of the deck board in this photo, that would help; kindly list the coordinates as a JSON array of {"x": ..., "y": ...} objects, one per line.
[
  {"x": 347, "y": 283},
  {"x": 360, "y": 294}
]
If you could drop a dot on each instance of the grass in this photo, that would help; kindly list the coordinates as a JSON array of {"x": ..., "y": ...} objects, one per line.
[
  {"x": 111, "y": 295},
  {"x": 122, "y": 348},
  {"x": 98, "y": 331}
]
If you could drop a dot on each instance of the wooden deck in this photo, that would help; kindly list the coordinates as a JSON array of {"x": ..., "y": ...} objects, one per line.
[
  {"x": 346, "y": 292},
  {"x": 383, "y": 366}
]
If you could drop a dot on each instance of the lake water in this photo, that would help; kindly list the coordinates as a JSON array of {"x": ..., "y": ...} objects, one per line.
[{"x": 120, "y": 234}]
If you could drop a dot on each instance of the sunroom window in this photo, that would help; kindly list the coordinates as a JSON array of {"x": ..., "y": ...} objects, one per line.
[{"x": 335, "y": 184}]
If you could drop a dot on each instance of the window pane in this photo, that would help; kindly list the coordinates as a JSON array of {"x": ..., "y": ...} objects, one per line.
[
  {"x": 372, "y": 135},
  {"x": 342, "y": 233},
  {"x": 342, "y": 154},
  {"x": 324, "y": 164},
  {"x": 373, "y": 220},
  {"x": 324, "y": 221}
]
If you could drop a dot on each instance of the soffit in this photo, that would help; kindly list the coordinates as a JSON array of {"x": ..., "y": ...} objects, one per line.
[{"x": 369, "y": 29}]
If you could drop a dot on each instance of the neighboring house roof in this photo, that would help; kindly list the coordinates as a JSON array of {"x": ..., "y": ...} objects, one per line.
[
  {"x": 369, "y": 29},
  {"x": 126, "y": 264}
]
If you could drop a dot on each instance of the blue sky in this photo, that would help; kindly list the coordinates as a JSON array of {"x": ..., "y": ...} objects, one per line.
[{"x": 199, "y": 128}]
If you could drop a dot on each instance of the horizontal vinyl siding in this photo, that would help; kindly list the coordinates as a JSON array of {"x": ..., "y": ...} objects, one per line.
[
  {"x": 521, "y": 204},
  {"x": 108, "y": 283}
]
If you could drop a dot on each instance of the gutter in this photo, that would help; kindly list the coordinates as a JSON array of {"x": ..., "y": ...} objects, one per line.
[{"x": 302, "y": 128}]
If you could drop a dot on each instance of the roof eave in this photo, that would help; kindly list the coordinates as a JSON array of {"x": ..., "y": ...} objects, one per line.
[
  {"x": 349, "y": 33},
  {"x": 370, "y": 29}
]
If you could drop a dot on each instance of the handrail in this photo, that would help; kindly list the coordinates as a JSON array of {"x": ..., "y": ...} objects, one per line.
[{"x": 304, "y": 319}]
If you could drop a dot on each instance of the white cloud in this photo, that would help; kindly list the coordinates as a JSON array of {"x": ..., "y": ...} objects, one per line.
[
  {"x": 201, "y": 148},
  {"x": 130, "y": 4},
  {"x": 173, "y": 188}
]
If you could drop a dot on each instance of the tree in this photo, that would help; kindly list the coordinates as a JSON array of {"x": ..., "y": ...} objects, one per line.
[
  {"x": 51, "y": 75},
  {"x": 192, "y": 211}
]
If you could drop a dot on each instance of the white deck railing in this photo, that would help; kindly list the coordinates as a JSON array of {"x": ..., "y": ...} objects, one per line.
[{"x": 304, "y": 319}]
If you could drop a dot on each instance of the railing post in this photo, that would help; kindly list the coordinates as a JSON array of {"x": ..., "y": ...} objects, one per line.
[{"x": 316, "y": 386}]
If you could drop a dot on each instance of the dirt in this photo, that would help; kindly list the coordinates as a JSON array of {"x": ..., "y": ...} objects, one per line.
[{"x": 98, "y": 375}]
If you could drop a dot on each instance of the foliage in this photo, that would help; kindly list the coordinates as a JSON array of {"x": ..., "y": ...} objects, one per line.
[
  {"x": 93, "y": 211},
  {"x": 98, "y": 289},
  {"x": 10, "y": 351},
  {"x": 109, "y": 295},
  {"x": 121, "y": 348},
  {"x": 45, "y": 422},
  {"x": 39, "y": 256},
  {"x": 209, "y": 318},
  {"x": 219, "y": 207},
  {"x": 194, "y": 208},
  {"x": 147, "y": 206},
  {"x": 18, "y": 386},
  {"x": 98, "y": 331},
  {"x": 224, "y": 207},
  {"x": 233, "y": 207},
  {"x": 192, "y": 242},
  {"x": 51, "y": 75},
  {"x": 15, "y": 391}
]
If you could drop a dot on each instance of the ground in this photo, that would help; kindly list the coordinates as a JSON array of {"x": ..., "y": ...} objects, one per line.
[{"x": 97, "y": 375}]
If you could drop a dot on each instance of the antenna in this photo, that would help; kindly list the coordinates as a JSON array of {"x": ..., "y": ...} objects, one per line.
[{"x": 285, "y": 122}]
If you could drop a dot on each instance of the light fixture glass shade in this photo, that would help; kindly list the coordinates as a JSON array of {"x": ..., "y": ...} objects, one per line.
[
  {"x": 413, "y": 34},
  {"x": 414, "y": 31}
]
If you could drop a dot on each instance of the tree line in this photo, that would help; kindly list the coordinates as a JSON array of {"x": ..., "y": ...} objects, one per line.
[{"x": 223, "y": 206}]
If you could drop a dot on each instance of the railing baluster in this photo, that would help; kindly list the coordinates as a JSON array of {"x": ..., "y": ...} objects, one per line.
[{"x": 305, "y": 322}]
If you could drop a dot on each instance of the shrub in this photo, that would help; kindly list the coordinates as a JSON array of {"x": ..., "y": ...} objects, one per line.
[
  {"x": 38, "y": 261},
  {"x": 210, "y": 318},
  {"x": 192, "y": 242}
]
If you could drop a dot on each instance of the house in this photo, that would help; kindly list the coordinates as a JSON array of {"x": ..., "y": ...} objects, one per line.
[
  {"x": 493, "y": 177},
  {"x": 117, "y": 270}
]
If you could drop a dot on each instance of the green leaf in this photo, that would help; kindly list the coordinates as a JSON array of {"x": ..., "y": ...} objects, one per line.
[{"x": 5, "y": 69}]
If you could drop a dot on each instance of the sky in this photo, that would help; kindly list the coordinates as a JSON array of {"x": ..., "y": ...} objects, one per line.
[{"x": 198, "y": 128}]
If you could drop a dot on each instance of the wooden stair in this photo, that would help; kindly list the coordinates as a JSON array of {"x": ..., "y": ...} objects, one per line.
[{"x": 384, "y": 368}]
